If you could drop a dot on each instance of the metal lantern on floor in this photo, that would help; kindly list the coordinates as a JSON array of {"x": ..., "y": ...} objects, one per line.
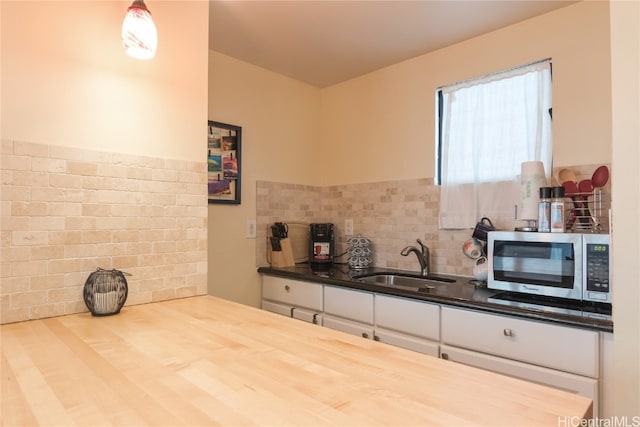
[{"x": 105, "y": 291}]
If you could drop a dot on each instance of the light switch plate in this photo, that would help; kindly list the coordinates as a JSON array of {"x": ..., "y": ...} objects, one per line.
[{"x": 251, "y": 229}]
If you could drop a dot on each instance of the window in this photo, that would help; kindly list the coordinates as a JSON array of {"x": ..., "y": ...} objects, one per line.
[{"x": 487, "y": 127}]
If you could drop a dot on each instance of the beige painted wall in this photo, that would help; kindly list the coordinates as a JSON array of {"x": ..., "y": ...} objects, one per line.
[
  {"x": 280, "y": 140},
  {"x": 625, "y": 61},
  {"x": 382, "y": 124},
  {"x": 380, "y": 127},
  {"x": 66, "y": 80}
]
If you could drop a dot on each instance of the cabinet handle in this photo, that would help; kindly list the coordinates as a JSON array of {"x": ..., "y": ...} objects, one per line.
[
  {"x": 376, "y": 338},
  {"x": 508, "y": 332},
  {"x": 291, "y": 314},
  {"x": 315, "y": 318},
  {"x": 287, "y": 288},
  {"x": 365, "y": 335},
  {"x": 445, "y": 356}
]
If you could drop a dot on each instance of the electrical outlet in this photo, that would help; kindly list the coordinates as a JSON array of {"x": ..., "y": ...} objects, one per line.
[
  {"x": 251, "y": 229},
  {"x": 348, "y": 227}
]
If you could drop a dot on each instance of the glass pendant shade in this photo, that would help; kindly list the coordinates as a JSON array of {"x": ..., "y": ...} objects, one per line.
[{"x": 139, "y": 34}]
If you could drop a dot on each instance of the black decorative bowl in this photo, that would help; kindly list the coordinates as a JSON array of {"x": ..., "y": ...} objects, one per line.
[{"x": 105, "y": 291}]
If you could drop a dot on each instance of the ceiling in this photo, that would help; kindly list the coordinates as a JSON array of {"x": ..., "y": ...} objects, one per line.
[{"x": 327, "y": 42}]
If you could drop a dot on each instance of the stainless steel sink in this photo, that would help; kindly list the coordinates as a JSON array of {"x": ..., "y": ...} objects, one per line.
[{"x": 419, "y": 283}]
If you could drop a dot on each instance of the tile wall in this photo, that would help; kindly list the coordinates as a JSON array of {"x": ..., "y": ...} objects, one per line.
[
  {"x": 392, "y": 214},
  {"x": 290, "y": 203},
  {"x": 66, "y": 211}
]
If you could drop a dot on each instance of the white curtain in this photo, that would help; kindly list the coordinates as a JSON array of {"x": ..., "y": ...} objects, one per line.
[{"x": 491, "y": 125}]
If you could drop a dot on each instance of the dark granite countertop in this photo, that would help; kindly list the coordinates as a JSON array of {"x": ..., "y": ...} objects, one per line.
[{"x": 464, "y": 293}]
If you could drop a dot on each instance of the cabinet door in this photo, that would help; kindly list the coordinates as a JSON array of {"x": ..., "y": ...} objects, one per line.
[
  {"x": 350, "y": 327},
  {"x": 292, "y": 311},
  {"x": 584, "y": 386},
  {"x": 407, "y": 341},
  {"x": 275, "y": 307},
  {"x": 307, "y": 315},
  {"x": 606, "y": 376},
  {"x": 408, "y": 316},
  {"x": 554, "y": 346},
  {"x": 349, "y": 304},
  {"x": 294, "y": 292}
]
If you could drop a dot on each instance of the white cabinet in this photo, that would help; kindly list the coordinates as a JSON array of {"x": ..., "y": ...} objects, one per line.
[
  {"x": 354, "y": 328},
  {"x": 396, "y": 321},
  {"x": 567, "y": 358},
  {"x": 348, "y": 310},
  {"x": 349, "y": 304},
  {"x": 554, "y": 346},
  {"x": 407, "y": 341},
  {"x": 407, "y": 323},
  {"x": 583, "y": 386},
  {"x": 406, "y": 315},
  {"x": 606, "y": 375},
  {"x": 310, "y": 316},
  {"x": 292, "y": 298},
  {"x": 559, "y": 356}
]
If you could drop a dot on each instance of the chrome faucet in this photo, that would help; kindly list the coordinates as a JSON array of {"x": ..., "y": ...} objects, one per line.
[{"x": 422, "y": 254}]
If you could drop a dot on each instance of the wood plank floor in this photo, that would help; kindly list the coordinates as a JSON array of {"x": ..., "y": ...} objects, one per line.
[{"x": 203, "y": 361}]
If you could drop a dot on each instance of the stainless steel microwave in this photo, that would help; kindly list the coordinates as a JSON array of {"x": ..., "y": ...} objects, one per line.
[{"x": 563, "y": 265}]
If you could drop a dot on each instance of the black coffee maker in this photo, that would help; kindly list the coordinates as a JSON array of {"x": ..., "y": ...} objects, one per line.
[{"x": 321, "y": 246}]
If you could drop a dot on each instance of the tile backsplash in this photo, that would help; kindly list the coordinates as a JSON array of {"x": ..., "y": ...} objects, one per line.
[
  {"x": 67, "y": 211},
  {"x": 393, "y": 214}
]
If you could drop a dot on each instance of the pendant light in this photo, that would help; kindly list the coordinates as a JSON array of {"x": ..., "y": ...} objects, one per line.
[{"x": 139, "y": 34}]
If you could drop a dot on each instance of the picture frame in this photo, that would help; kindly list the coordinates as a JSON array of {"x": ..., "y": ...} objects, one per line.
[{"x": 224, "y": 144}]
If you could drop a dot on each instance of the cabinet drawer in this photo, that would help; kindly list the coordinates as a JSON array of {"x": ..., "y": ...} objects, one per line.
[
  {"x": 307, "y": 315},
  {"x": 275, "y": 307},
  {"x": 294, "y": 292},
  {"x": 587, "y": 387},
  {"x": 559, "y": 347},
  {"x": 353, "y": 328},
  {"x": 407, "y": 341},
  {"x": 349, "y": 303},
  {"x": 310, "y": 316},
  {"x": 408, "y": 316}
]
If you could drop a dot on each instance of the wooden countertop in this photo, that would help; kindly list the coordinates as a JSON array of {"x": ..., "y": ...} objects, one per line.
[{"x": 206, "y": 361}]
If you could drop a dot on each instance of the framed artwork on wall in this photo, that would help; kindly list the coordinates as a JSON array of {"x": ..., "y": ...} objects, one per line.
[{"x": 224, "y": 142}]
